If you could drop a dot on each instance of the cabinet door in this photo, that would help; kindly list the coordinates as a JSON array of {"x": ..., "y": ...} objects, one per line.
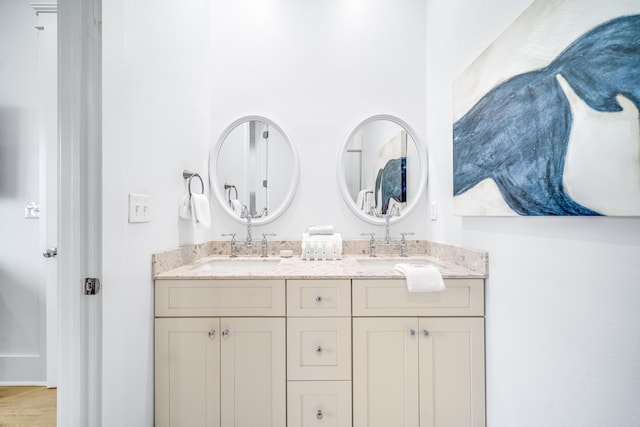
[
  {"x": 253, "y": 372},
  {"x": 452, "y": 372},
  {"x": 385, "y": 372},
  {"x": 187, "y": 372}
]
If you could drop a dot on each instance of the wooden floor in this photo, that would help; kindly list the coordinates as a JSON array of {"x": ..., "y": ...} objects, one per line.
[{"x": 27, "y": 406}]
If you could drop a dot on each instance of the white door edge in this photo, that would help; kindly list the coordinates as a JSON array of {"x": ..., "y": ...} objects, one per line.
[{"x": 79, "y": 219}]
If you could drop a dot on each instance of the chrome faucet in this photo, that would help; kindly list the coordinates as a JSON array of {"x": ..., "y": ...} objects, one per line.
[
  {"x": 233, "y": 244},
  {"x": 263, "y": 245},
  {"x": 394, "y": 211},
  {"x": 248, "y": 241},
  {"x": 403, "y": 244},
  {"x": 372, "y": 243}
]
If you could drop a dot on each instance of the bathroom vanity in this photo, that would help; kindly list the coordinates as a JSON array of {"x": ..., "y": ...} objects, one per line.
[{"x": 287, "y": 342}]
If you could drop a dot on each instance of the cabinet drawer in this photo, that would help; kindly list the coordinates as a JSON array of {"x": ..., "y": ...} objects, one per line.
[
  {"x": 309, "y": 298},
  {"x": 462, "y": 297},
  {"x": 193, "y": 298},
  {"x": 319, "y": 403},
  {"x": 319, "y": 348}
]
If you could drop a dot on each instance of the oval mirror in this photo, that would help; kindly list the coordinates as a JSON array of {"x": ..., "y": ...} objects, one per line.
[
  {"x": 382, "y": 169},
  {"x": 253, "y": 170}
]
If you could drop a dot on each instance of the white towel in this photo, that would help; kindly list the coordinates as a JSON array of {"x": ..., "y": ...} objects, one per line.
[
  {"x": 200, "y": 211},
  {"x": 184, "y": 206},
  {"x": 236, "y": 206},
  {"x": 421, "y": 277},
  {"x": 364, "y": 199},
  {"x": 320, "y": 230}
]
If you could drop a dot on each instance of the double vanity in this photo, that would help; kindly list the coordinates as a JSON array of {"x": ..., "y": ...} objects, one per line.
[
  {"x": 336, "y": 339},
  {"x": 254, "y": 341}
]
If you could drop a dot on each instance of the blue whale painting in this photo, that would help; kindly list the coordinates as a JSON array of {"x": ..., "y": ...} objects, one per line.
[{"x": 518, "y": 133}]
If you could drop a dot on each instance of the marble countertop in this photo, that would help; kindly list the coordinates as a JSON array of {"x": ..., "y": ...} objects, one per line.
[{"x": 275, "y": 267}]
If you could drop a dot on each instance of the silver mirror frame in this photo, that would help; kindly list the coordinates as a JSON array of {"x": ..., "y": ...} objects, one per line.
[
  {"x": 342, "y": 182},
  {"x": 216, "y": 186}
]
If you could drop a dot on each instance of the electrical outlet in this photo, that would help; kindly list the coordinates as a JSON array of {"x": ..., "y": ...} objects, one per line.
[
  {"x": 434, "y": 211},
  {"x": 139, "y": 208}
]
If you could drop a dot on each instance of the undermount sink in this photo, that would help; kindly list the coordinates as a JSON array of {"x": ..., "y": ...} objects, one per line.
[
  {"x": 374, "y": 264},
  {"x": 237, "y": 264}
]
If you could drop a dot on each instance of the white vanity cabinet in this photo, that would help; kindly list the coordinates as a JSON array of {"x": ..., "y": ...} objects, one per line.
[
  {"x": 220, "y": 352},
  {"x": 414, "y": 370},
  {"x": 347, "y": 352}
]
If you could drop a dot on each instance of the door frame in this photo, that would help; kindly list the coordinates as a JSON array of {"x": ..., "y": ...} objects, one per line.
[{"x": 79, "y": 212}]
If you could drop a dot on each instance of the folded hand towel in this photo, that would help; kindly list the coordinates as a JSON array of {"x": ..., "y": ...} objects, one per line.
[
  {"x": 421, "y": 277},
  {"x": 200, "y": 211},
  {"x": 184, "y": 206},
  {"x": 320, "y": 229}
]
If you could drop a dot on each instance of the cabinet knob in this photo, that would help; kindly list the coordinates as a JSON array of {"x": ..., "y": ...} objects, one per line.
[
  {"x": 319, "y": 414},
  {"x": 426, "y": 333},
  {"x": 318, "y": 349},
  {"x": 318, "y": 299},
  {"x": 212, "y": 333},
  {"x": 413, "y": 332},
  {"x": 225, "y": 333}
]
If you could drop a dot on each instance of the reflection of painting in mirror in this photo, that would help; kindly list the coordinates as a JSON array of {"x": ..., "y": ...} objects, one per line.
[
  {"x": 547, "y": 117},
  {"x": 369, "y": 148},
  {"x": 390, "y": 172}
]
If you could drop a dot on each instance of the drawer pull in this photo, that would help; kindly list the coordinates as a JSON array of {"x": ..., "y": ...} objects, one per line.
[
  {"x": 318, "y": 349},
  {"x": 212, "y": 333},
  {"x": 426, "y": 333},
  {"x": 318, "y": 299},
  {"x": 225, "y": 333},
  {"x": 413, "y": 332},
  {"x": 319, "y": 414}
]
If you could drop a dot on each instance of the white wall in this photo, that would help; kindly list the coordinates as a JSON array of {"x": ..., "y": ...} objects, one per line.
[
  {"x": 318, "y": 68},
  {"x": 562, "y": 318},
  {"x": 155, "y": 124},
  {"x": 562, "y": 331},
  {"x": 22, "y": 290}
]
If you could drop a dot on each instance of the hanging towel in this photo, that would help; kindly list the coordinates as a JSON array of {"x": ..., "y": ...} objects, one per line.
[
  {"x": 421, "y": 277},
  {"x": 236, "y": 206},
  {"x": 363, "y": 200},
  {"x": 184, "y": 206},
  {"x": 200, "y": 211}
]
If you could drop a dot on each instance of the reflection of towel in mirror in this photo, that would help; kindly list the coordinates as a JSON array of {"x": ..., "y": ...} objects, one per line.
[
  {"x": 236, "y": 206},
  {"x": 184, "y": 206},
  {"x": 365, "y": 200},
  {"x": 200, "y": 211},
  {"x": 421, "y": 277}
]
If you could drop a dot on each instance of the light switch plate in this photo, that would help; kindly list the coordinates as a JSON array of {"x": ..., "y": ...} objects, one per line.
[{"x": 139, "y": 208}]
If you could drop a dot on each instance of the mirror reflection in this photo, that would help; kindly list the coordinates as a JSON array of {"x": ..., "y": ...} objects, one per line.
[
  {"x": 254, "y": 168},
  {"x": 382, "y": 168}
]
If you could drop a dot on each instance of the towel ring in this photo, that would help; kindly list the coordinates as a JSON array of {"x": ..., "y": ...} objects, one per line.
[
  {"x": 201, "y": 182},
  {"x": 228, "y": 188}
]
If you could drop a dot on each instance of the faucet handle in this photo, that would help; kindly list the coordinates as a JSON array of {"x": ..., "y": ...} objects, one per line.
[
  {"x": 406, "y": 234},
  {"x": 232, "y": 235},
  {"x": 372, "y": 235},
  {"x": 265, "y": 235}
]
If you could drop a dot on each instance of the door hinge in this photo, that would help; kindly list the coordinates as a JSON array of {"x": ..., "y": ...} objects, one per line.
[{"x": 91, "y": 286}]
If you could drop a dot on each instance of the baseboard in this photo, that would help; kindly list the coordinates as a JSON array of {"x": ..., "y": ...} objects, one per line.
[{"x": 23, "y": 384}]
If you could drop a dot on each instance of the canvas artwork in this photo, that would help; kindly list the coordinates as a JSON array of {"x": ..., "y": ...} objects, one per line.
[
  {"x": 546, "y": 119},
  {"x": 390, "y": 173}
]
